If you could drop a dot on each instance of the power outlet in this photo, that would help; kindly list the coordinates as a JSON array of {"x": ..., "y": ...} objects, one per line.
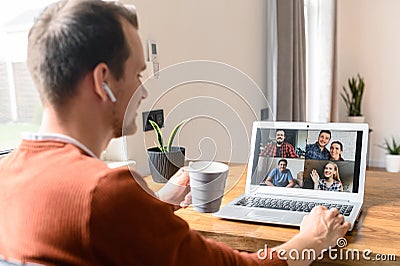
[
  {"x": 156, "y": 116},
  {"x": 264, "y": 114}
]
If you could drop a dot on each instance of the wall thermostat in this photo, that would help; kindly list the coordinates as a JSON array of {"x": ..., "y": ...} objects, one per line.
[{"x": 153, "y": 57}]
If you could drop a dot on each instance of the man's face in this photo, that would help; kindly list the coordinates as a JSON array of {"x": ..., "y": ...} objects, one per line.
[
  {"x": 282, "y": 166},
  {"x": 280, "y": 136},
  {"x": 129, "y": 89},
  {"x": 323, "y": 139}
]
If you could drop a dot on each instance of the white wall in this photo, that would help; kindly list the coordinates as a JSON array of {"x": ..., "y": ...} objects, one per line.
[
  {"x": 369, "y": 44},
  {"x": 232, "y": 32}
]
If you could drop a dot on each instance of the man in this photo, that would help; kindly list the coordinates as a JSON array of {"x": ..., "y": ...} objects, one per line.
[
  {"x": 279, "y": 148},
  {"x": 318, "y": 150},
  {"x": 60, "y": 204},
  {"x": 280, "y": 176}
]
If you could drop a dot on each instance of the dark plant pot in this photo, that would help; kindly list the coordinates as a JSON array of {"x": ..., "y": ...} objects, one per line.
[{"x": 163, "y": 165}]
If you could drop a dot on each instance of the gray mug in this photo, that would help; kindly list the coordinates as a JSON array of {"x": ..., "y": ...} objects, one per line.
[{"x": 207, "y": 183}]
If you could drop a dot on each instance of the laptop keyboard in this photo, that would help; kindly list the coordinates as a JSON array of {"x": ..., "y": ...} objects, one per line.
[{"x": 291, "y": 205}]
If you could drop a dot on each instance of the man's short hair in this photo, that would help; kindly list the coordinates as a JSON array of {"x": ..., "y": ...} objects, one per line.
[
  {"x": 276, "y": 131},
  {"x": 70, "y": 38},
  {"x": 282, "y": 160},
  {"x": 325, "y": 131}
]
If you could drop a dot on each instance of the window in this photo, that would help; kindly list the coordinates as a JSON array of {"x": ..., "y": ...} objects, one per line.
[{"x": 20, "y": 108}]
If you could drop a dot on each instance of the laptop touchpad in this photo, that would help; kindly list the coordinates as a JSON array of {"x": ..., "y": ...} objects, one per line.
[{"x": 263, "y": 215}]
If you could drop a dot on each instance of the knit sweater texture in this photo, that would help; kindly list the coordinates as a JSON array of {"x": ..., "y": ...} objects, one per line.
[{"x": 59, "y": 206}]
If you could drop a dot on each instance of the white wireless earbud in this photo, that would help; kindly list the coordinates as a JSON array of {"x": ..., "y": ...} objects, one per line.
[{"x": 109, "y": 92}]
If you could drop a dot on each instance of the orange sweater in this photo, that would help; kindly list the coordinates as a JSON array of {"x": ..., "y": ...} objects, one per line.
[{"x": 59, "y": 206}]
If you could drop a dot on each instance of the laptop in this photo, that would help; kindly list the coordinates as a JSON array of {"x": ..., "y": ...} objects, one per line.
[{"x": 317, "y": 176}]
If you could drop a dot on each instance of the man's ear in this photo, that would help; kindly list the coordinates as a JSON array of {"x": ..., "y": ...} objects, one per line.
[{"x": 100, "y": 74}]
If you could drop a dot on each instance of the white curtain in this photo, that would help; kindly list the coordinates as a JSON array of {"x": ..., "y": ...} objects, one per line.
[
  {"x": 321, "y": 99},
  {"x": 272, "y": 56}
]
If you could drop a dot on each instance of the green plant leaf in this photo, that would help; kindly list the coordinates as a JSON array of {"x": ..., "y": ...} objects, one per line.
[
  {"x": 347, "y": 100},
  {"x": 395, "y": 146},
  {"x": 353, "y": 99},
  {"x": 173, "y": 134},
  {"x": 159, "y": 135},
  {"x": 392, "y": 147}
]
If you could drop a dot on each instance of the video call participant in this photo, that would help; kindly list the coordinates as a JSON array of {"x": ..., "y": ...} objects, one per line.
[
  {"x": 279, "y": 147},
  {"x": 61, "y": 205},
  {"x": 280, "y": 176},
  {"x": 318, "y": 150},
  {"x": 336, "y": 150},
  {"x": 330, "y": 180}
]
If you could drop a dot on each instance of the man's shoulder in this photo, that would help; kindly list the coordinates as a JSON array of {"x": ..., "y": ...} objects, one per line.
[
  {"x": 63, "y": 165},
  {"x": 287, "y": 170},
  {"x": 311, "y": 145},
  {"x": 288, "y": 174},
  {"x": 121, "y": 181},
  {"x": 103, "y": 178},
  {"x": 288, "y": 144},
  {"x": 274, "y": 171},
  {"x": 271, "y": 144}
]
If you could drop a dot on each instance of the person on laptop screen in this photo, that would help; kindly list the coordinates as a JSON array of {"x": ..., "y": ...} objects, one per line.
[
  {"x": 280, "y": 176},
  {"x": 330, "y": 180},
  {"x": 318, "y": 150},
  {"x": 279, "y": 147},
  {"x": 336, "y": 150}
]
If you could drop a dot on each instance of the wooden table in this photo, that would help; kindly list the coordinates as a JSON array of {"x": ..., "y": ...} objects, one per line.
[{"x": 378, "y": 227}]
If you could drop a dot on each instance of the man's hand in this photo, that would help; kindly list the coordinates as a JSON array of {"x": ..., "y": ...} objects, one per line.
[
  {"x": 319, "y": 230},
  {"x": 180, "y": 178},
  {"x": 324, "y": 227},
  {"x": 268, "y": 182},
  {"x": 177, "y": 190}
]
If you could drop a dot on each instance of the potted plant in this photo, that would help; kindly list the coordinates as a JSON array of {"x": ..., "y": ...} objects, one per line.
[
  {"x": 353, "y": 98},
  {"x": 393, "y": 155},
  {"x": 165, "y": 160}
]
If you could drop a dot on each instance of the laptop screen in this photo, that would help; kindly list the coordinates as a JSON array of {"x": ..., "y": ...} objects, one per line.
[{"x": 307, "y": 157}]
